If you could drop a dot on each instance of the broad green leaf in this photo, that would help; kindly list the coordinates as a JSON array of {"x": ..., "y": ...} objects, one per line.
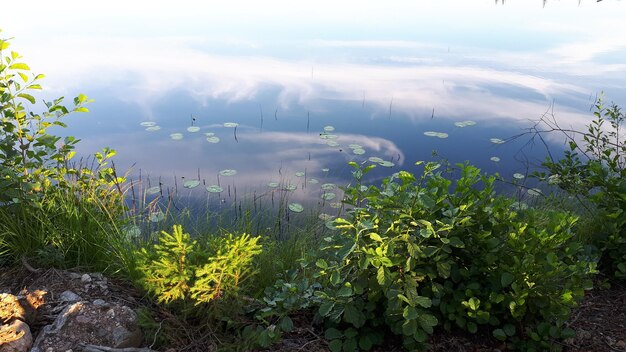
[
  {"x": 332, "y": 334},
  {"x": 19, "y": 66},
  {"x": 335, "y": 345},
  {"x": 345, "y": 291},
  {"x": 326, "y": 307},
  {"x": 28, "y": 97},
  {"x": 499, "y": 334},
  {"x": 506, "y": 279}
]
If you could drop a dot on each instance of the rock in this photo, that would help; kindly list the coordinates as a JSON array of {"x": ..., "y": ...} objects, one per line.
[
  {"x": 69, "y": 296},
  {"x": 85, "y": 278},
  {"x": 99, "y": 302},
  {"x": 110, "y": 325},
  {"x": 15, "y": 337}
]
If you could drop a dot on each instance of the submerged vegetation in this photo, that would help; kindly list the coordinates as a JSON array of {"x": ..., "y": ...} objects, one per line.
[{"x": 415, "y": 255}]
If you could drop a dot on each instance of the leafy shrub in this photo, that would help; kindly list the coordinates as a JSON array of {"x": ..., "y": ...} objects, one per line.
[
  {"x": 181, "y": 269},
  {"x": 594, "y": 171},
  {"x": 60, "y": 211},
  {"x": 414, "y": 255}
]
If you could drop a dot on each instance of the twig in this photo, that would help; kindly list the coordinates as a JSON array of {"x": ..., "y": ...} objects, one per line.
[
  {"x": 94, "y": 348},
  {"x": 27, "y": 266}
]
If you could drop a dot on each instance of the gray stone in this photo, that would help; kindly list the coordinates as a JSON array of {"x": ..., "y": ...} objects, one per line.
[
  {"x": 99, "y": 302},
  {"x": 15, "y": 337},
  {"x": 85, "y": 278},
  {"x": 69, "y": 296},
  {"x": 110, "y": 325}
]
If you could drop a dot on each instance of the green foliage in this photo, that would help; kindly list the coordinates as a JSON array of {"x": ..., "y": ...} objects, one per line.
[
  {"x": 413, "y": 255},
  {"x": 595, "y": 173},
  {"x": 179, "y": 268},
  {"x": 58, "y": 211}
]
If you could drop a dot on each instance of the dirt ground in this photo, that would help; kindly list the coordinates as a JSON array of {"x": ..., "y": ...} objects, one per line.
[{"x": 599, "y": 322}]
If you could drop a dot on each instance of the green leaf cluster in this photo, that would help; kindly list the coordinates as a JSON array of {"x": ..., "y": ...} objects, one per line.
[
  {"x": 593, "y": 171},
  {"x": 417, "y": 254}
]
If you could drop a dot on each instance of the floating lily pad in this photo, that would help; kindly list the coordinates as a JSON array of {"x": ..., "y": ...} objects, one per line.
[
  {"x": 313, "y": 181},
  {"x": 273, "y": 184},
  {"x": 214, "y": 189},
  {"x": 176, "y": 136},
  {"x": 332, "y": 144},
  {"x": 156, "y": 216},
  {"x": 436, "y": 134},
  {"x": 325, "y": 217},
  {"x": 375, "y": 159},
  {"x": 213, "y": 139},
  {"x": 193, "y": 129},
  {"x": 329, "y": 128},
  {"x": 329, "y": 196},
  {"x": 132, "y": 232},
  {"x": 191, "y": 184},
  {"x": 209, "y": 134},
  {"x": 336, "y": 205},
  {"x": 534, "y": 192},
  {"x": 465, "y": 123},
  {"x": 290, "y": 188},
  {"x": 358, "y": 151},
  {"x": 386, "y": 164},
  {"x": 496, "y": 141},
  {"x": 328, "y": 186},
  {"x": 296, "y": 207},
  {"x": 228, "y": 172},
  {"x": 494, "y": 159},
  {"x": 519, "y": 206},
  {"x": 153, "y": 190},
  {"x": 355, "y": 146},
  {"x": 518, "y": 176},
  {"x": 153, "y": 128},
  {"x": 325, "y": 169},
  {"x": 230, "y": 124},
  {"x": 148, "y": 124},
  {"x": 299, "y": 174},
  {"x": 328, "y": 136}
]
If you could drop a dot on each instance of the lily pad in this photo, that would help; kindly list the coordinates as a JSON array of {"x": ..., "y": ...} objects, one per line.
[
  {"x": 132, "y": 232},
  {"x": 273, "y": 184},
  {"x": 325, "y": 169},
  {"x": 355, "y": 146},
  {"x": 148, "y": 124},
  {"x": 375, "y": 159},
  {"x": 156, "y": 216},
  {"x": 213, "y": 139},
  {"x": 153, "y": 190},
  {"x": 290, "y": 188},
  {"x": 534, "y": 192},
  {"x": 209, "y": 134},
  {"x": 358, "y": 151},
  {"x": 332, "y": 144},
  {"x": 518, "y": 176},
  {"x": 296, "y": 207},
  {"x": 325, "y": 217},
  {"x": 386, "y": 164},
  {"x": 495, "y": 159},
  {"x": 329, "y": 196},
  {"x": 230, "y": 124},
  {"x": 176, "y": 136},
  {"x": 228, "y": 172},
  {"x": 193, "y": 129},
  {"x": 336, "y": 205},
  {"x": 465, "y": 123},
  {"x": 214, "y": 189},
  {"x": 313, "y": 181},
  {"x": 328, "y": 186},
  {"x": 191, "y": 184},
  {"x": 299, "y": 174},
  {"x": 329, "y": 128},
  {"x": 328, "y": 136},
  {"x": 430, "y": 133},
  {"x": 153, "y": 128},
  {"x": 496, "y": 141}
]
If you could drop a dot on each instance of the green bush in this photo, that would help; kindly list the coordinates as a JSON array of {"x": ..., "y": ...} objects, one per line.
[
  {"x": 179, "y": 269},
  {"x": 594, "y": 172},
  {"x": 414, "y": 255},
  {"x": 60, "y": 212}
]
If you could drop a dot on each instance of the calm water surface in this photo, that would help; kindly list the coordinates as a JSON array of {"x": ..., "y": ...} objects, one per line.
[{"x": 381, "y": 75}]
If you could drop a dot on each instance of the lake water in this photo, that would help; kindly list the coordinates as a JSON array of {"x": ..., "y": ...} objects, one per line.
[{"x": 377, "y": 75}]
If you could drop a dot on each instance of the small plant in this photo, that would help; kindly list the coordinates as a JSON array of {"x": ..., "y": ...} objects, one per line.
[
  {"x": 593, "y": 170},
  {"x": 180, "y": 269}
]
